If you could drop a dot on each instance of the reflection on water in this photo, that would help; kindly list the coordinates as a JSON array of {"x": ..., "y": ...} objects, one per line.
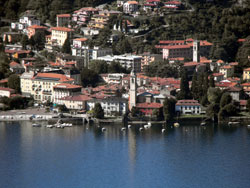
[{"x": 188, "y": 156}]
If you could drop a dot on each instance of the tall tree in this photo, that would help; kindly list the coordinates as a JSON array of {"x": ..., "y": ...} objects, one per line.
[
  {"x": 195, "y": 86},
  {"x": 24, "y": 41},
  {"x": 14, "y": 82},
  {"x": 169, "y": 108},
  {"x": 66, "y": 48},
  {"x": 184, "y": 87},
  {"x": 98, "y": 111},
  {"x": 211, "y": 81}
]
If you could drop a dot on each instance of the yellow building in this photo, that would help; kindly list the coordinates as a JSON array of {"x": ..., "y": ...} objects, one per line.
[
  {"x": 43, "y": 83},
  {"x": 26, "y": 83},
  {"x": 246, "y": 74},
  {"x": 227, "y": 71},
  {"x": 77, "y": 102},
  {"x": 60, "y": 34}
]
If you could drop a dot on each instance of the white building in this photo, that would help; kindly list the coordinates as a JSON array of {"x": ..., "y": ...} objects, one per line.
[
  {"x": 26, "y": 83},
  {"x": 130, "y": 7},
  {"x": 127, "y": 61},
  {"x": 113, "y": 78},
  {"x": 6, "y": 92},
  {"x": 110, "y": 106},
  {"x": 187, "y": 107},
  {"x": 24, "y": 22},
  {"x": 64, "y": 90}
]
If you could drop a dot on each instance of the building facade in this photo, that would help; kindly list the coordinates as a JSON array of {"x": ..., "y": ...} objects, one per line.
[
  {"x": 60, "y": 34},
  {"x": 187, "y": 107}
]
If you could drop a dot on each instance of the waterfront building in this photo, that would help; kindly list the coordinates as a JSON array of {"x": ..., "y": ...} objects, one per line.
[
  {"x": 187, "y": 107},
  {"x": 43, "y": 84},
  {"x": 148, "y": 108},
  {"x": 110, "y": 106},
  {"x": 6, "y": 92},
  {"x": 75, "y": 102},
  {"x": 26, "y": 83},
  {"x": 64, "y": 90}
]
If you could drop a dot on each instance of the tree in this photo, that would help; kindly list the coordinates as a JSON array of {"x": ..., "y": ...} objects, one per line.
[
  {"x": 158, "y": 113},
  {"x": 98, "y": 66},
  {"x": 89, "y": 77},
  {"x": 134, "y": 111},
  {"x": 225, "y": 99},
  {"x": 205, "y": 85},
  {"x": 24, "y": 41},
  {"x": 226, "y": 111},
  {"x": 211, "y": 81},
  {"x": 195, "y": 86},
  {"x": 214, "y": 95},
  {"x": 4, "y": 65},
  {"x": 184, "y": 88},
  {"x": 14, "y": 82},
  {"x": 98, "y": 111},
  {"x": 169, "y": 108},
  {"x": 66, "y": 48},
  {"x": 248, "y": 105},
  {"x": 38, "y": 40}
]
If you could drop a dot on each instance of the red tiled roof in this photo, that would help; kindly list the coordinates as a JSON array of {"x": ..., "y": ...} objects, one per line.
[
  {"x": 234, "y": 63},
  {"x": 246, "y": 69},
  {"x": 3, "y": 81},
  {"x": 132, "y": 2},
  {"x": 234, "y": 89},
  {"x": 217, "y": 74},
  {"x": 220, "y": 61},
  {"x": 243, "y": 102},
  {"x": 187, "y": 103},
  {"x": 241, "y": 40},
  {"x": 61, "y": 29},
  {"x": 77, "y": 98},
  {"x": 81, "y": 39},
  {"x": 225, "y": 84},
  {"x": 63, "y": 15},
  {"x": 173, "y": 2},
  {"x": 226, "y": 67},
  {"x": 246, "y": 84},
  {"x": 62, "y": 78},
  {"x": 7, "y": 89},
  {"x": 37, "y": 27},
  {"x": 67, "y": 86},
  {"x": 148, "y": 105},
  {"x": 13, "y": 64}
]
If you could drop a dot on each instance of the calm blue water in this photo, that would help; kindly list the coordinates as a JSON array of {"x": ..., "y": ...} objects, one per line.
[{"x": 189, "y": 156}]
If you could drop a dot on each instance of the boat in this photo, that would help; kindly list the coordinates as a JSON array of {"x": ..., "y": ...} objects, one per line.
[
  {"x": 233, "y": 123},
  {"x": 36, "y": 125},
  {"x": 49, "y": 126},
  {"x": 248, "y": 126},
  {"x": 176, "y": 124},
  {"x": 203, "y": 123}
]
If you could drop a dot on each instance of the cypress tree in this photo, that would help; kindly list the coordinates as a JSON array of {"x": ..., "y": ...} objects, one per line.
[
  {"x": 184, "y": 87},
  {"x": 195, "y": 86},
  {"x": 205, "y": 84},
  {"x": 211, "y": 81},
  {"x": 66, "y": 48}
]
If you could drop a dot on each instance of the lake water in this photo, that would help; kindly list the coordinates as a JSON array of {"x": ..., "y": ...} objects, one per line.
[{"x": 81, "y": 156}]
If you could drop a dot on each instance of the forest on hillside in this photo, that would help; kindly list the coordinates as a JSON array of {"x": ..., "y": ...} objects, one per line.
[{"x": 45, "y": 9}]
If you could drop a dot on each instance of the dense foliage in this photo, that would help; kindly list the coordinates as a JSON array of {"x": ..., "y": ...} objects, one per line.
[{"x": 45, "y": 9}]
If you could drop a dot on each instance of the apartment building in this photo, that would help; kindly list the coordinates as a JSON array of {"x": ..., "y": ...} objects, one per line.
[
  {"x": 60, "y": 34},
  {"x": 62, "y": 20}
]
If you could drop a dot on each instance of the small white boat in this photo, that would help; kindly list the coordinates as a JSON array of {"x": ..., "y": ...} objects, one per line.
[
  {"x": 233, "y": 123},
  {"x": 203, "y": 123},
  {"x": 36, "y": 125},
  {"x": 141, "y": 129},
  {"x": 248, "y": 126},
  {"x": 49, "y": 126},
  {"x": 123, "y": 129},
  {"x": 103, "y": 129},
  {"x": 149, "y": 124},
  {"x": 146, "y": 126},
  {"x": 163, "y": 130},
  {"x": 129, "y": 126}
]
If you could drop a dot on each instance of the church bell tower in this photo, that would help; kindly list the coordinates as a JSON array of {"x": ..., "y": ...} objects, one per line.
[{"x": 132, "y": 90}]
